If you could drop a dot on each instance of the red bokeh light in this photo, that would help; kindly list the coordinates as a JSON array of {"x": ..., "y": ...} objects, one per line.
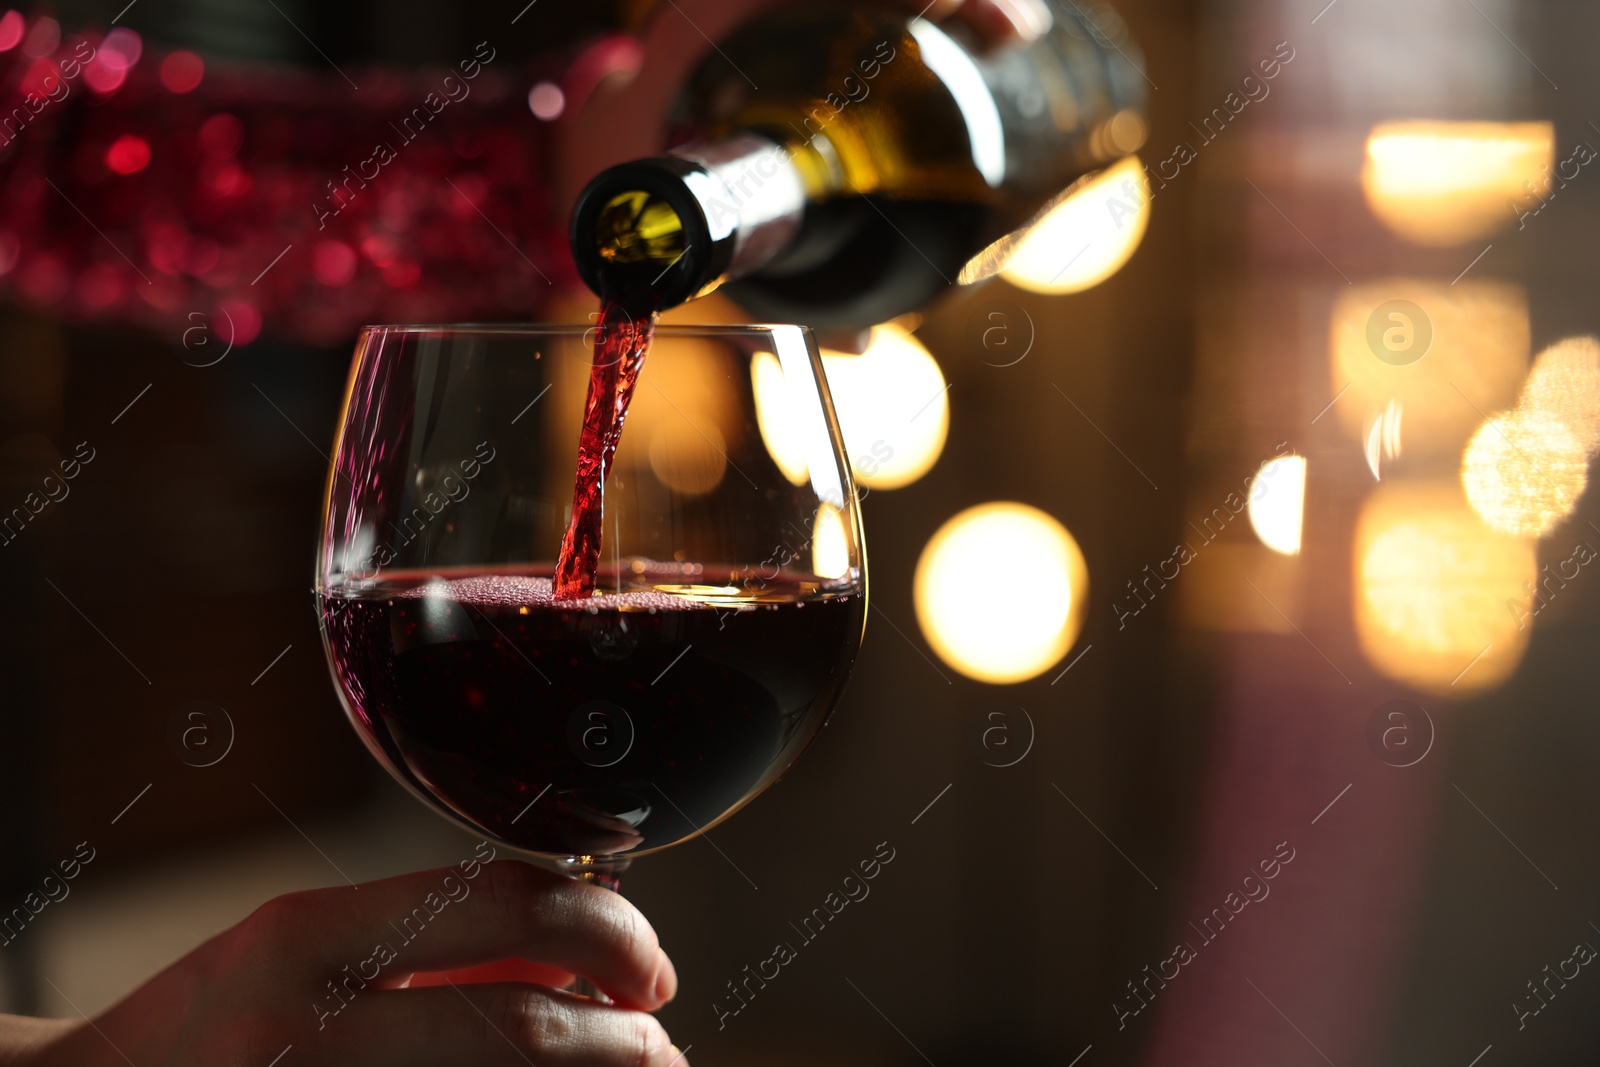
[
  {"x": 181, "y": 72},
  {"x": 466, "y": 199},
  {"x": 221, "y": 135},
  {"x": 225, "y": 179},
  {"x": 103, "y": 77},
  {"x": 334, "y": 263},
  {"x": 221, "y": 181},
  {"x": 402, "y": 274},
  {"x": 11, "y": 27},
  {"x": 128, "y": 154},
  {"x": 161, "y": 293},
  {"x": 164, "y": 246},
  {"x": 379, "y": 248},
  {"x": 246, "y": 320},
  {"x": 201, "y": 256},
  {"x": 41, "y": 78},
  {"x": 45, "y": 279},
  {"x": 44, "y": 38},
  {"x": 100, "y": 286},
  {"x": 120, "y": 49}
]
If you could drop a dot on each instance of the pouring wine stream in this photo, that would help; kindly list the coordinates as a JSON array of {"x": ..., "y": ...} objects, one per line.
[{"x": 620, "y": 346}]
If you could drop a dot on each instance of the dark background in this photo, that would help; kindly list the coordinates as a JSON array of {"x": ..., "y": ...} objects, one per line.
[{"x": 1008, "y": 921}]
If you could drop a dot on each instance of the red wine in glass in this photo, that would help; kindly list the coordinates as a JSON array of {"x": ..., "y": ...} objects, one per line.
[{"x": 615, "y": 725}]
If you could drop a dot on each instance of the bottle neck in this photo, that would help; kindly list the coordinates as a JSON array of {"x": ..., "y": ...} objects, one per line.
[{"x": 657, "y": 232}]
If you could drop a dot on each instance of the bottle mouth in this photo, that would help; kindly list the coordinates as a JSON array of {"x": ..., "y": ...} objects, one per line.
[
  {"x": 640, "y": 236},
  {"x": 637, "y": 227}
]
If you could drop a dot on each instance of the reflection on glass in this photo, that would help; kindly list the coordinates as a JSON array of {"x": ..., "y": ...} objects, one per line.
[
  {"x": 1441, "y": 353},
  {"x": 994, "y": 636},
  {"x": 1436, "y": 589},
  {"x": 776, "y": 419},
  {"x": 1087, "y": 237},
  {"x": 955, "y": 68},
  {"x": 830, "y": 545},
  {"x": 805, "y": 411},
  {"x": 1443, "y": 183},
  {"x": 1277, "y": 503},
  {"x": 1383, "y": 439},
  {"x": 893, "y": 407},
  {"x": 1524, "y": 472},
  {"x": 1565, "y": 384}
]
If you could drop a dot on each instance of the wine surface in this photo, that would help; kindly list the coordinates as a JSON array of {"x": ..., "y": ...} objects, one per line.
[
  {"x": 620, "y": 345},
  {"x": 618, "y": 724}
]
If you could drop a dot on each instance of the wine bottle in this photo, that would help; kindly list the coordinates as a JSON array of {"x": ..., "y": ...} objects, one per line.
[{"x": 841, "y": 164}]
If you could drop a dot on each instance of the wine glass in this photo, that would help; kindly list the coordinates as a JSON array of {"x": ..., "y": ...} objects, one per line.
[{"x": 730, "y": 595}]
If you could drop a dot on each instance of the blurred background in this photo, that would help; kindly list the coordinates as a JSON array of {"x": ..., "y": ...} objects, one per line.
[{"x": 1286, "y": 425}]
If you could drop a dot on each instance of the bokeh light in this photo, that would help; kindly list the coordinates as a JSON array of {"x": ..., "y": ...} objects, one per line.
[
  {"x": 1277, "y": 503},
  {"x": 115, "y": 56},
  {"x": 1433, "y": 585},
  {"x": 691, "y": 459},
  {"x": 43, "y": 38},
  {"x": 1477, "y": 347},
  {"x": 221, "y": 135},
  {"x": 1001, "y": 633},
  {"x": 893, "y": 407},
  {"x": 11, "y": 28},
  {"x": 682, "y": 421},
  {"x": 1086, "y": 238},
  {"x": 334, "y": 263},
  {"x": 128, "y": 154},
  {"x": 1443, "y": 183},
  {"x": 1524, "y": 472},
  {"x": 546, "y": 101},
  {"x": 99, "y": 286},
  {"x": 891, "y": 400},
  {"x": 1565, "y": 384},
  {"x": 120, "y": 49},
  {"x": 243, "y": 318},
  {"x": 104, "y": 77},
  {"x": 182, "y": 72}
]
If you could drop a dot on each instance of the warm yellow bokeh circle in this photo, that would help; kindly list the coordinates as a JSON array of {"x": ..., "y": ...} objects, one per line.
[{"x": 1007, "y": 630}]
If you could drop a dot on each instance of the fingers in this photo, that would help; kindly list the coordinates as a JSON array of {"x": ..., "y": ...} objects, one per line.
[
  {"x": 495, "y": 1025},
  {"x": 443, "y": 920}
]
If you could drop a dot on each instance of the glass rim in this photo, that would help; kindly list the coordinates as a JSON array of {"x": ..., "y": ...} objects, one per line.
[{"x": 571, "y": 329}]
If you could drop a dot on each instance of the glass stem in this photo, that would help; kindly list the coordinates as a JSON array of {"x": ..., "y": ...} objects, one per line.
[{"x": 606, "y": 872}]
